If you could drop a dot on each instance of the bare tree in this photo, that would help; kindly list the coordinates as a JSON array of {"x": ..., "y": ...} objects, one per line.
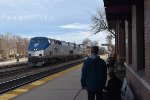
[
  {"x": 109, "y": 40},
  {"x": 6, "y": 45},
  {"x": 11, "y": 44},
  {"x": 99, "y": 23},
  {"x": 88, "y": 42},
  {"x": 21, "y": 46},
  {"x": 111, "y": 47}
]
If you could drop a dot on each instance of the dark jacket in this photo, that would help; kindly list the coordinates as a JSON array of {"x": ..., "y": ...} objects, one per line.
[
  {"x": 94, "y": 74},
  {"x": 113, "y": 89}
]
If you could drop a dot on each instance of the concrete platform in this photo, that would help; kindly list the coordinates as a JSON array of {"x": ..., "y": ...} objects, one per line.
[{"x": 61, "y": 88}]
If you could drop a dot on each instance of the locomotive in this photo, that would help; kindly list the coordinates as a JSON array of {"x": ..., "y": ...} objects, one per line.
[{"x": 43, "y": 50}]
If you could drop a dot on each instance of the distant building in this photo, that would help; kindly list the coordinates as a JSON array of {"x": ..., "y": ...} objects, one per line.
[{"x": 102, "y": 50}]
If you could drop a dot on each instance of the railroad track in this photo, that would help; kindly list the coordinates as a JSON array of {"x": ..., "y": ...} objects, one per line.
[
  {"x": 8, "y": 73},
  {"x": 14, "y": 70},
  {"x": 37, "y": 74}
]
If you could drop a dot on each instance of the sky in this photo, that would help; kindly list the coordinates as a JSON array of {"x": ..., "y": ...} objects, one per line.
[{"x": 67, "y": 20}]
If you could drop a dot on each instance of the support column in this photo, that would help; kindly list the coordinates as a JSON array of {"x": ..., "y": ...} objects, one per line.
[
  {"x": 147, "y": 38},
  {"x": 121, "y": 42},
  {"x": 128, "y": 40},
  {"x": 140, "y": 34}
]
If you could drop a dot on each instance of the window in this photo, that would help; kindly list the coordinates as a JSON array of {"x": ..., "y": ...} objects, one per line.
[{"x": 140, "y": 34}]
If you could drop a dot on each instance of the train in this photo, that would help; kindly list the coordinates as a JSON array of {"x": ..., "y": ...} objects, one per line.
[{"x": 43, "y": 50}]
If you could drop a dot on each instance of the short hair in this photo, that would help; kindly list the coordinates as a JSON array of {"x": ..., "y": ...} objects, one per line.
[{"x": 95, "y": 50}]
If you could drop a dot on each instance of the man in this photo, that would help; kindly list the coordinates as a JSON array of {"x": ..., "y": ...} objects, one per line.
[
  {"x": 17, "y": 57},
  {"x": 94, "y": 75}
]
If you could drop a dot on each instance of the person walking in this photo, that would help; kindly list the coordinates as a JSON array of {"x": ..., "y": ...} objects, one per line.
[{"x": 94, "y": 75}]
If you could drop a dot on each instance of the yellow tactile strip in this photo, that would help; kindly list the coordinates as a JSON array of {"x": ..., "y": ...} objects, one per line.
[{"x": 11, "y": 94}]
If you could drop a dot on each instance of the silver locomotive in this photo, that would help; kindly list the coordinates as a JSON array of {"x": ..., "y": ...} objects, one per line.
[{"x": 43, "y": 50}]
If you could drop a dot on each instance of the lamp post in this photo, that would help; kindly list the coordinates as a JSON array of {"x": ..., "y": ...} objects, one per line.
[
  {"x": 17, "y": 55},
  {"x": 16, "y": 47}
]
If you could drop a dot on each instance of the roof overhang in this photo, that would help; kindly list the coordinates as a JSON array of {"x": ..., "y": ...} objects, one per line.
[
  {"x": 117, "y": 2},
  {"x": 117, "y": 10}
]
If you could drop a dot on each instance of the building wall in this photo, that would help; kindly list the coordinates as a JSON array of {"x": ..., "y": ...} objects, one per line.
[
  {"x": 134, "y": 41},
  {"x": 139, "y": 86},
  {"x": 137, "y": 65},
  {"x": 121, "y": 42},
  {"x": 126, "y": 41},
  {"x": 140, "y": 34},
  {"x": 138, "y": 74},
  {"x": 147, "y": 37}
]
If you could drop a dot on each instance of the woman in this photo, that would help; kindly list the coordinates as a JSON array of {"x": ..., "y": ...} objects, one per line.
[{"x": 113, "y": 88}]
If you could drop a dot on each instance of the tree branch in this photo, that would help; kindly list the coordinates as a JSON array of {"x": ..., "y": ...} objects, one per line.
[{"x": 99, "y": 23}]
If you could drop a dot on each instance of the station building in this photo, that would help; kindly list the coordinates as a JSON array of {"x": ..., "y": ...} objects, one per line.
[{"x": 131, "y": 21}]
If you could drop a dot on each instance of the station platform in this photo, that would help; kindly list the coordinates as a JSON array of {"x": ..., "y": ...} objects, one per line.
[{"x": 60, "y": 86}]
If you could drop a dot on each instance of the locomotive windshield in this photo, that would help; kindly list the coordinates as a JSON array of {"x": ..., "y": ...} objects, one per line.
[
  {"x": 38, "y": 43},
  {"x": 38, "y": 40}
]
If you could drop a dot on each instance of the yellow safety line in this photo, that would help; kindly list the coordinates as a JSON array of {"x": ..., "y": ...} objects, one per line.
[{"x": 14, "y": 93}]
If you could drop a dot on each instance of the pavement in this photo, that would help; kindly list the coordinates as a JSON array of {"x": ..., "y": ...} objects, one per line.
[
  {"x": 65, "y": 87},
  {"x": 105, "y": 56}
]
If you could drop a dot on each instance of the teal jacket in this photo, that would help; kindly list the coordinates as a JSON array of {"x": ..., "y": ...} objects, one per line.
[{"x": 94, "y": 74}]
